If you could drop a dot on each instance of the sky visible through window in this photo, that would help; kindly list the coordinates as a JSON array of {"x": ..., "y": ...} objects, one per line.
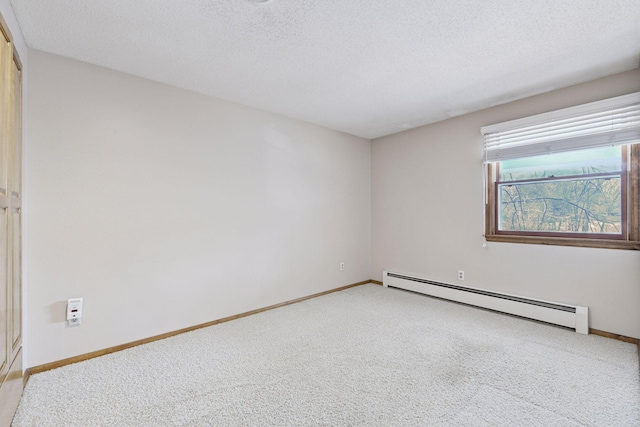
[{"x": 596, "y": 160}]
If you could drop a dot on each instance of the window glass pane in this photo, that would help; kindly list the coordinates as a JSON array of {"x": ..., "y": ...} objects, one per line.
[
  {"x": 596, "y": 160},
  {"x": 586, "y": 205}
]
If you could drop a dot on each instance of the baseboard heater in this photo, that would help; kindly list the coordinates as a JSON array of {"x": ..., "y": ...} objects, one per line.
[{"x": 570, "y": 316}]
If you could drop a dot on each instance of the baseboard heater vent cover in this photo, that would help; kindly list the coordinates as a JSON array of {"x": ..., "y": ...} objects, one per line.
[{"x": 570, "y": 316}]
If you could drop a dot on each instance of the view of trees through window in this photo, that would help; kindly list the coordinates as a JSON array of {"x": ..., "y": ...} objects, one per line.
[{"x": 574, "y": 192}]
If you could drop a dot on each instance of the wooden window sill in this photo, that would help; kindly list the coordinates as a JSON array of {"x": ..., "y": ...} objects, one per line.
[{"x": 565, "y": 241}]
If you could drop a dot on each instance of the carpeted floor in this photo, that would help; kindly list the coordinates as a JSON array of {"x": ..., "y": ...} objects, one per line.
[{"x": 367, "y": 356}]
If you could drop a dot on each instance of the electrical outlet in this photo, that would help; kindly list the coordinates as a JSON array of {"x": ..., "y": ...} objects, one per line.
[
  {"x": 74, "y": 312},
  {"x": 342, "y": 266},
  {"x": 460, "y": 274}
]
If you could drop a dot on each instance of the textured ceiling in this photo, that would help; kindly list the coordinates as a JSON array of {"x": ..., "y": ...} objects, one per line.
[{"x": 366, "y": 67}]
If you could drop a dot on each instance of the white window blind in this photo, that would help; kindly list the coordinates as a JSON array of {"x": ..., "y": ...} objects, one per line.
[{"x": 613, "y": 121}]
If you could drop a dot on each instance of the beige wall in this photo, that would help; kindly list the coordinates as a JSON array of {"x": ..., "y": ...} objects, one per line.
[
  {"x": 164, "y": 209},
  {"x": 427, "y": 217}
]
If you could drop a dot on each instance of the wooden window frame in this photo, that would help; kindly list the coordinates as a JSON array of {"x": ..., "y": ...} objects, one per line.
[{"x": 628, "y": 239}]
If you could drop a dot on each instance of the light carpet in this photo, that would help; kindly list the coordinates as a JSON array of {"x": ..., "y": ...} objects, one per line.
[{"x": 366, "y": 356}]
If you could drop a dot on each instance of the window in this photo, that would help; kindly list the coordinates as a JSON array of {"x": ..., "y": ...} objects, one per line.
[{"x": 569, "y": 177}]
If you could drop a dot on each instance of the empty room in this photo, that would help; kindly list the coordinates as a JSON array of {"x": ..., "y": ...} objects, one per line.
[{"x": 320, "y": 213}]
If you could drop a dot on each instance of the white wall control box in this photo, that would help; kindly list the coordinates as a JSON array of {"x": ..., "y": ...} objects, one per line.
[{"x": 74, "y": 311}]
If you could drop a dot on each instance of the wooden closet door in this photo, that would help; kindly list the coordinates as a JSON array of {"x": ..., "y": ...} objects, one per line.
[
  {"x": 11, "y": 379},
  {"x": 14, "y": 243},
  {"x": 5, "y": 137}
]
